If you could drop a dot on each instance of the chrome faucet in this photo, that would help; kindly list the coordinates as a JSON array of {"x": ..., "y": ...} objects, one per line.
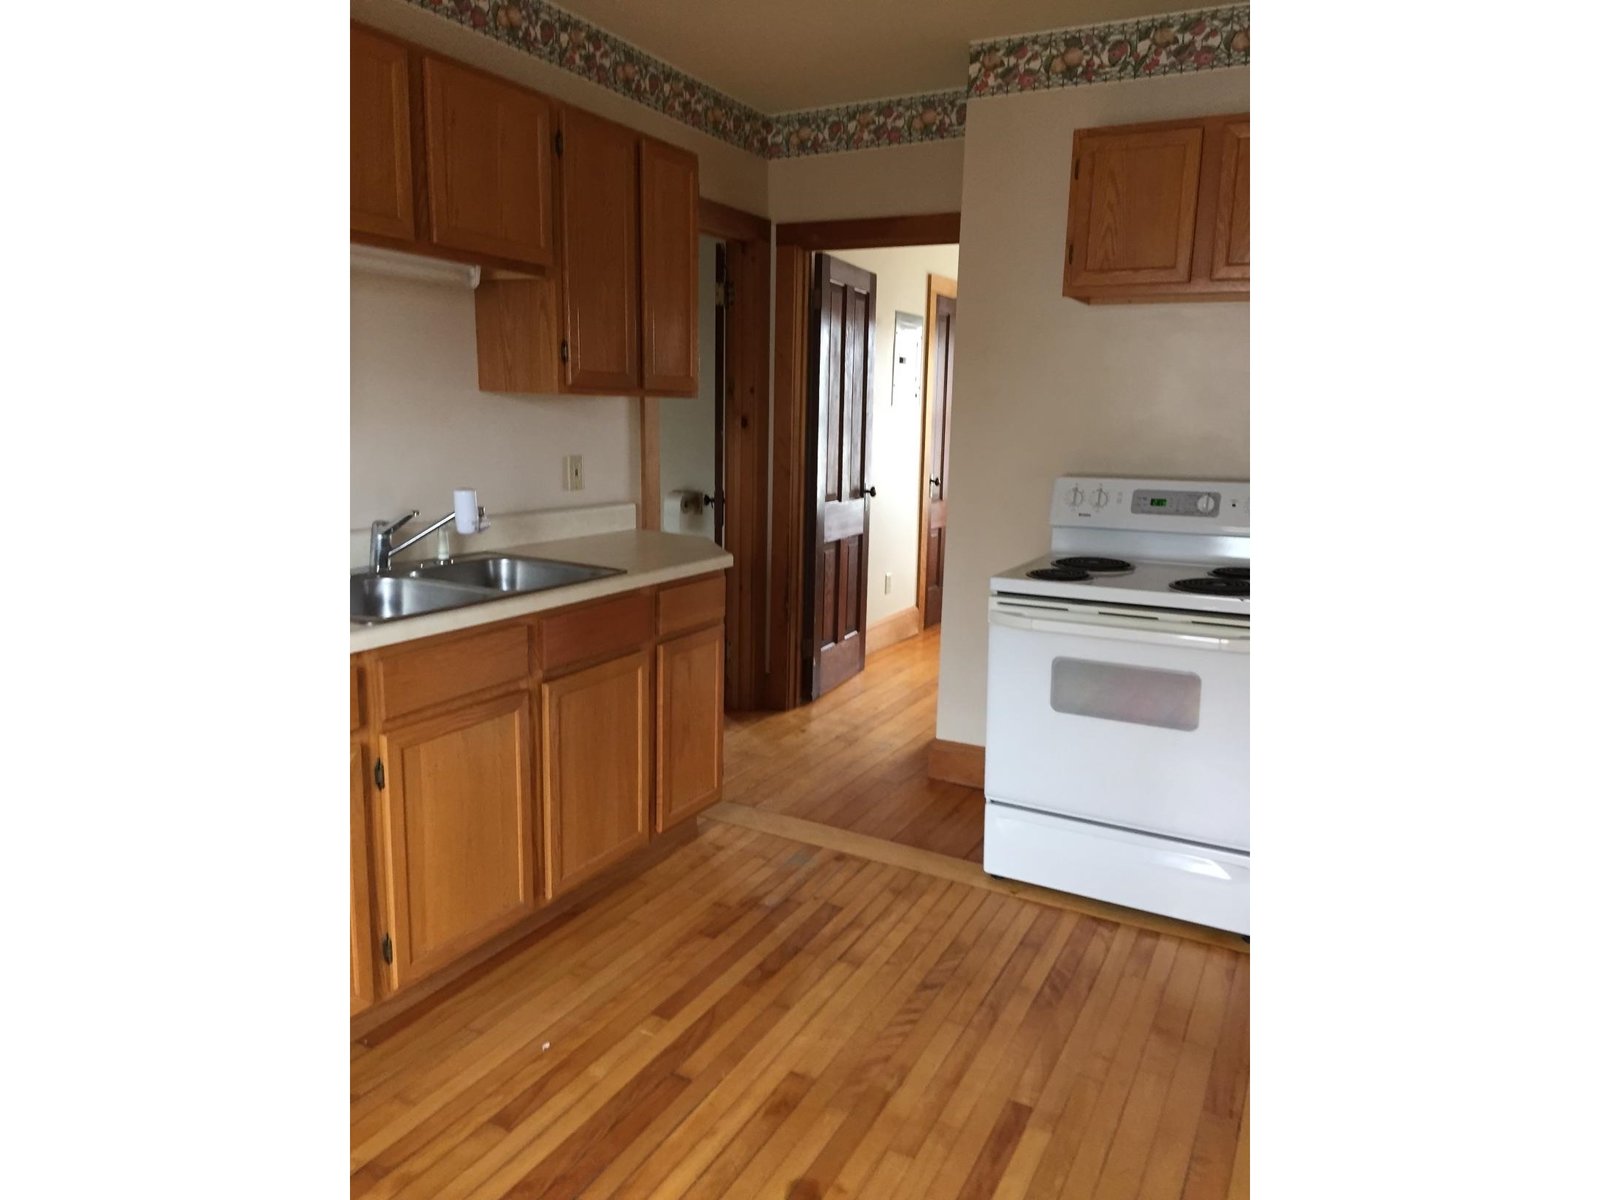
[{"x": 383, "y": 549}]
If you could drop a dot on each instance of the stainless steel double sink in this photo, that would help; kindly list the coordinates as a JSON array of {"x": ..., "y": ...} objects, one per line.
[{"x": 473, "y": 579}]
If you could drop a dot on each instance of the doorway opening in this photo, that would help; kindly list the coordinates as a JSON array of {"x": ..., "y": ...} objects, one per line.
[{"x": 866, "y": 319}]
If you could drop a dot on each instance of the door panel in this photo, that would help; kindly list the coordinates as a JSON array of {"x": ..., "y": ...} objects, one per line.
[
  {"x": 844, "y": 311},
  {"x": 600, "y": 252},
  {"x": 940, "y": 391},
  {"x": 458, "y": 832},
  {"x": 1230, "y": 252},
  {"x": 380, "y": 137},
  {"x": 489, "y": 155},
  {"x": 669, "y": 245},
  {"x": 596, "y": 738},
  {"x": 1132, "y": 206}
]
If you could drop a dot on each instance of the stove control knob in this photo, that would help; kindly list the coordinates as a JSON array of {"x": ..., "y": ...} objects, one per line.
[
  {"x": 1076, "y": 498},
  {"x": 1100, "y": 497},
  {"x": 1206, "y": 503}
]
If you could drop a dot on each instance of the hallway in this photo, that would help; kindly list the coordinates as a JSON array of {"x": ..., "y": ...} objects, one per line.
[{"x": 857, "y": 759}]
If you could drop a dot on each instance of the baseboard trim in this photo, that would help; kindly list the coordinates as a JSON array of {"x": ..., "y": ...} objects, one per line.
[
  {"x": 956, "y": 762},
  {"x": 896, "y": 627},
  {"x": 958, "y": 870}
]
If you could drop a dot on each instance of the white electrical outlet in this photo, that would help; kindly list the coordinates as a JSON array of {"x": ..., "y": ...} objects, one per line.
[
  {"x": 888, "y": 580},
  {"x": 572, "y": 473}
]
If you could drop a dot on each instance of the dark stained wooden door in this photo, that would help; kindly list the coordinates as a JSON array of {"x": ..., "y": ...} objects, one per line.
[
  {"x": 940, "y": 390},
  {"x": 843, "y": 314}
]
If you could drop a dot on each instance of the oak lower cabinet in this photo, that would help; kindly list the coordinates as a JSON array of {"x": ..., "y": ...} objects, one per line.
[
  {"x": 362, "y": 976},
  {"x": 456, "y": 833},
  {"x": 688, "y": 725},
  {"x": 595, "y": 739}
]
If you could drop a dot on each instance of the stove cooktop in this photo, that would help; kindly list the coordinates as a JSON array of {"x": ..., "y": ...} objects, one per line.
[{"x": 1205, "y": 586}]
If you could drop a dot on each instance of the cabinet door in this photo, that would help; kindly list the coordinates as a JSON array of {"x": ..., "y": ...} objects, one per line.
[
  {"x": 1230, "y": 251},
  {"x": 669, "y": 277},
  {"x": 458, "y": 832},
  {"x": 688, "y": 725},
  {"x": 362, "y": 977},
  {"x": 1131, "y": 210},
  {"x": 380, "y": 137},
  {"x": 489, "y": 146},
  {"x": 599, "y": 253},
  {"x": 596, "y": 752}
]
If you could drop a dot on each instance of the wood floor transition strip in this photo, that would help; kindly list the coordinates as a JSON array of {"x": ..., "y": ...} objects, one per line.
[{"x": 957, "y": 870}]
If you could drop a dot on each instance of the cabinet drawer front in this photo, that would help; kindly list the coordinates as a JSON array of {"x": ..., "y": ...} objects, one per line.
[
  {"x": 689, "y": 605},
  {"x": 600, "y": 630},
  {"x": 413, "y": 679}
]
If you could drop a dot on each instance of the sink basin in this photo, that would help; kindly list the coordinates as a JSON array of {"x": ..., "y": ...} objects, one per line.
[
  {"x": 458, "y": 583},
  {"x": 375, "y": 598},
  {"x": 508, "y": 573}
]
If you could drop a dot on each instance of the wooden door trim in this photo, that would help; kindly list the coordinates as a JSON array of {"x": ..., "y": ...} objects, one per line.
[
  {"x": 938, "y": 285},
  {"x": 919, "y": 229},
  {"x": 732, "y": 224}
]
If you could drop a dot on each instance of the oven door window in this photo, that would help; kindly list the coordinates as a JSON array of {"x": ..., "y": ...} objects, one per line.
[{"x": 1082, "y": 687}]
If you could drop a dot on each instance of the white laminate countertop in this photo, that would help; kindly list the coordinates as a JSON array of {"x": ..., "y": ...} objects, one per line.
[{"x": 646, "y": 558}]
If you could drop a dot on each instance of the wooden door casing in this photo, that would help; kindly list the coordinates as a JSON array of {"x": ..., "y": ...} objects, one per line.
[
  {"x": 1132, "y": 205},
  {"x": 363, "y": 978},
  {"x": 1230, "y": 251},
  {"x": 844, "y": 313},
  {"x": 381, "y": 198},
  {"x": 599, "y": 253},
  {"x": 458, "y": 833},
  {"x": 941, "y": 362},
  {"x": 489, "y": 151},
  {"x": 688, "y": 725},
  {"x": 669, "y": 270},
  {"x": 596, "y": 751}
]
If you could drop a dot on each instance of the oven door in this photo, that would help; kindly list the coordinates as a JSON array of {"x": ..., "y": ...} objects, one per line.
[{"x": 1133, "y": 723}]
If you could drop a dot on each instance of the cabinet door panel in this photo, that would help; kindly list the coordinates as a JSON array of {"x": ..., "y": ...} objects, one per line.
[
  {"x": 458, "y": 832},
  {"x": 362, "y": 977},
  {"x": 489, "y": 149},
  {"x": 1132, "y": 207},
  {"x": 597, "y": 767},
  {"x": 600, "y": 253},
  {"x": 380, "y": 137},
  {"x": 1230, "y": 252},
  {"x": 688, "y": 725},
  {"x": 669, "y": 199}
]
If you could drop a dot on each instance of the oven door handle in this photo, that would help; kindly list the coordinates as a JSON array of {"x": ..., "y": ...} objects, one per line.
[{"x": 1123, "y": 630}]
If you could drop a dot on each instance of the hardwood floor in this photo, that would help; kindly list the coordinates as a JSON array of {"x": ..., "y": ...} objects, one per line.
[
  {"x": 758, "y": 1017},
  {"x": 857, "y": 759},
  {"x": 790, "y": 1006}
]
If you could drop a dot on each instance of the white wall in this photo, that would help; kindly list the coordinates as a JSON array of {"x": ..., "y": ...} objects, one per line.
[
  {"x": 688, "y": 424},
  {"x": 1045, "y": 385},
  {"x": 419, "y": 426},
  {"x": 902, "y": 273},
  {"x": 889, "y": 182}
]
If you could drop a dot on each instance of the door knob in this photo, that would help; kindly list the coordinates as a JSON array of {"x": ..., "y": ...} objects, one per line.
[
  {"x": 871, "y": 491},
  {"x": 936, "y": 481},
  {"x": 708, "y": 501}
]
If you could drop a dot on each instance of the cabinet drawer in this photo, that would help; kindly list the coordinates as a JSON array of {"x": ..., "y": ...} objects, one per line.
[
  {"x": 688, "y": 605},
  {"x": 415, "y": 678},
  {"x": 601, "y": 630}
]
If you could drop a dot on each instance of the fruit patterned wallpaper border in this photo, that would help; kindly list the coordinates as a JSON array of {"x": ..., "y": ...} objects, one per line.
[{"x": 1198, "y": 40}]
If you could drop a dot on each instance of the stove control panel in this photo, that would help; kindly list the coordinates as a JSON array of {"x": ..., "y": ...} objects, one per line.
[{"x": 1177, "y": 505}]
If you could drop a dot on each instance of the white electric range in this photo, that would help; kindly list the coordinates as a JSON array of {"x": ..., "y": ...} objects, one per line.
[{"x": 1117, "y": 763}]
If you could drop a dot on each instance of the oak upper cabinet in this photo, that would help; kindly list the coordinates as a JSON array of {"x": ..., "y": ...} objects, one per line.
[
  {"x": 595, "y": 742},
  {"x": 362, "y": 976},
  {"x": 457, "y": 833},
  {"x": 381, "y": 200},
  {"x": 669, "y": 277},
  {"x": 1144, "y": 212},
  {"x": 599, "y": 254},
  {"x": 1230, "y": 258},
  {"x": 489, "y": 147},
  {"x": 688, "y": 725}
]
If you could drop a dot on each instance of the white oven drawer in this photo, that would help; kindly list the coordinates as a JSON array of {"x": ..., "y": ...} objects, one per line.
[{"x": 1133, "y": 726}]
